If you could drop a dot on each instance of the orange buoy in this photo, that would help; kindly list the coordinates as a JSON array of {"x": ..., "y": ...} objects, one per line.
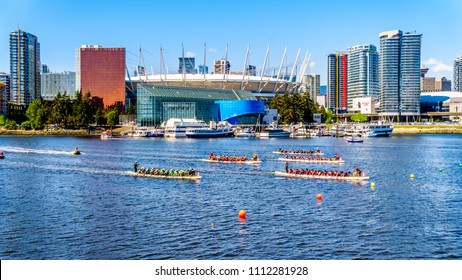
[
  {"x": 242, "y": 214},
  {"x": 319, "y": 196}
]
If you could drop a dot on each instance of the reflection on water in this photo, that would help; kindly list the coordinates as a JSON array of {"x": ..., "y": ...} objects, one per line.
[{"x": 57, "y": 206}]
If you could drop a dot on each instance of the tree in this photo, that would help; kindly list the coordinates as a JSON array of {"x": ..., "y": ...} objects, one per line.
[
  {"x": 131, "y": 110},
  {"x": 36, "y": 115},
  {"x": 112, "y": 116},
  {"x": 358, "y": 117}
]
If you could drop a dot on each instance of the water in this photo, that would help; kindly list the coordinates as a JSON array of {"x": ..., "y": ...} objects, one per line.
[{"x": 57, "y": 206}]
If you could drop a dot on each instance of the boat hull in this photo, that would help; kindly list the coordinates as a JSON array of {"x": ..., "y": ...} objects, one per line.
[
  {"x": 210, "y": 134},
  {"x": 304, "y": 176},
  {"x": 293, "y": 153},
  {"x": 233, "y": 161},
  {"x": 197, "y": 177},
  {"x": 311, "y": 161},
  {"x": 275, "y": 134}
]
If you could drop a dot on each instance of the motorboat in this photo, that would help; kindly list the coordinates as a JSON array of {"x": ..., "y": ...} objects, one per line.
[
  {"x": 353, "y": 139},
  {"x": 273, "y": 131},
  {"x": 218, "y": 131},
  {"x": 105, "y": 135},
  {"x": 245, "y": 133},
  {"x": 176, "y": 128},
  {"x": 338, "y": 130},
  {"x": 156, "y": 133}
]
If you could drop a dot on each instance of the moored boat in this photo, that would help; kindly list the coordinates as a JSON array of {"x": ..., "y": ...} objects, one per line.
[
  {"x": 321, "y": 177},
  {"x": 313, "y": 160},
  {"x": 176, "y": 128},
  {"x": 105, "y": 135},
  {"x": 245, "y": 133},
  {"x": 196, "y": 176},
  {"x": 209, "y": 132},
  {"x": 2, "y": 156},
  {"x": 274, "y": 132}
]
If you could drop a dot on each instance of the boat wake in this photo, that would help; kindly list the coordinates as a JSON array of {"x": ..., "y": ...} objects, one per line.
[{"x": 34, "y": 151}]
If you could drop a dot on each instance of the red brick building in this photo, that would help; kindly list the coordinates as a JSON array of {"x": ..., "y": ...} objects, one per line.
[{"x": 102, "y": 72}]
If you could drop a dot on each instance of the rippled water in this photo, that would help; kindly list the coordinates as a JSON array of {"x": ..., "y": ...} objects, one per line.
[{"x": 57, "y": 206}]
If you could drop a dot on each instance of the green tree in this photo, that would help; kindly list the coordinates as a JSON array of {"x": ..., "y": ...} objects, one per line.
[
  {"x": 358, "y": 117},
  {"x": 99, "y": 117},
  {"x": 112, "y": 116},
  {"x": 131, "y": 110},
  {"x": 60, "y": 112},
  {"x": 36, "y": 115}
]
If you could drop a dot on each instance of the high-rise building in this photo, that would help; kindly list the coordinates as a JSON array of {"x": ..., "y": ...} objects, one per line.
[
  {"x": 140, "y": 71},
  {"x": 101, "y": 71},
  {"x": 251, "y": 70},
  {"x": 5, "y": 93},
  {"x": 186, "y": 65},
  {"x": 312, "y": 86},
  {"x": 337, "y": 81},
  {"x": 24, "y": 67},
  {"x": 399, "y": 73},
  {"x": 203, "y": 69},
  {"x": 45, "y": 69},
  {"x": 362, "y": 73},
  {"x": 432, "y": 84},
  {"x": 458, "y": 74},
  {"x": 222, "y": 66},
  {"x": 54, "y": 83}
]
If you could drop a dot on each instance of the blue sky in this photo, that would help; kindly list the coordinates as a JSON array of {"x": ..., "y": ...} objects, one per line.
[{"x": 319, "y": 27}]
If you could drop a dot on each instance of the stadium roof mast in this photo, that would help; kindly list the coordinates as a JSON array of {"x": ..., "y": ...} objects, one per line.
[
  {"x": 205, "y": 55},
  {"x": 225, "y": 67},
  {"x": 245, "y": 66},
  {"x": 263, "y": 69},
  {"x": 280, "y": 68},
  {"x": 183, "y": 67},
  {"x": 144, "y": 65},
  {"x": 303, "y": 67},
  {"x": 162, "y": 66}
]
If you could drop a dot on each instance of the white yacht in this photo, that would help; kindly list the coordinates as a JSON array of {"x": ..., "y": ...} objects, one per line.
[
  {"x": 273, "y": 131},
  {"x": 222, "y": 129},
  {"x": 176, "y": 128},
  {"x": 380, "y": 129}
]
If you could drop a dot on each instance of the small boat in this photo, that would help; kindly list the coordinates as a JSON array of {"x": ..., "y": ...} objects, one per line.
[
  {"x": 2, "y": 156},
  {"x": 245, "y": 133},
  {"x": 75, "y": 153},
  {"x": 156, "y": 133},
  {"x": 273, "y": 131},
  {"x": 320, "y": 177},
  {"x": 299, "y": 152},
  {"x": 251, "y": 161},
  {"x": 329, "y": 160},
  {"x": 105, "y": 135},
  {"x": 197, "y": 176},
  {"x": 354, "y": 140}
]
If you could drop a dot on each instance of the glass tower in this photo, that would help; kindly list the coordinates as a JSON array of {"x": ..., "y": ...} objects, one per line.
[
  {"x": 4, "y": 93},
  {"x": 399, "y": 73},
  {"x": 363, "y": 72},
  {"x": 337, "y": 81},
  {"x": 24, "y": 67},
  {"x": 458, "y": 74}
]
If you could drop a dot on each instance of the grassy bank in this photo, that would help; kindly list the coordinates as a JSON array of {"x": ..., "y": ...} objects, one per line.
[
  {"x": 61, "y": 132},
  {"x": 427, "y": 129}
]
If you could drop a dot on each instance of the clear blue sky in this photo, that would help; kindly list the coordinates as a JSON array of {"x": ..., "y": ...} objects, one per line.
[{"x": 319, "y": 27}]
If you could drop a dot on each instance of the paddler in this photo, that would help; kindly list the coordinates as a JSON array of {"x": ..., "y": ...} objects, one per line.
[
  {"x": 255, "y": 157},
  {"x": 135, "y": 166},
  {"x": 287, "y": 167}
]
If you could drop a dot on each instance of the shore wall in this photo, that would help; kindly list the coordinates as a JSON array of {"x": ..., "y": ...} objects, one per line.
[
  {"x": 62, "y": 132},
  {"x": 427, "y": 130}
]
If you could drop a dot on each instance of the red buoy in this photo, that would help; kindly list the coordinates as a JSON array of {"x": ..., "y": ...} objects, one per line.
[
  {"x": 242, "y": 214},
  {"x": 319, "y": 196}
]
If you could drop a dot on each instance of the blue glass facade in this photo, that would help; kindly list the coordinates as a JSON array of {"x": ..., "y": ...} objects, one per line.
[
  {"x": 232, "y": 110},
  {"x": 158, "y": 103}
]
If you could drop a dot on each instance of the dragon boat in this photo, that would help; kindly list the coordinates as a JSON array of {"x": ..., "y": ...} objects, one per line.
[
  {"x": 327, "y": 160},
  {"x": 196, "y": 176},
  {"x": 249, "y": 161},
  {"x": 322, "y": 177},
  {"x": 299, "y": 152}
]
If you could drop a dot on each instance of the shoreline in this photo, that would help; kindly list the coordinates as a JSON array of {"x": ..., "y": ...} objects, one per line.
[{"x": 400, "y": 130}]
